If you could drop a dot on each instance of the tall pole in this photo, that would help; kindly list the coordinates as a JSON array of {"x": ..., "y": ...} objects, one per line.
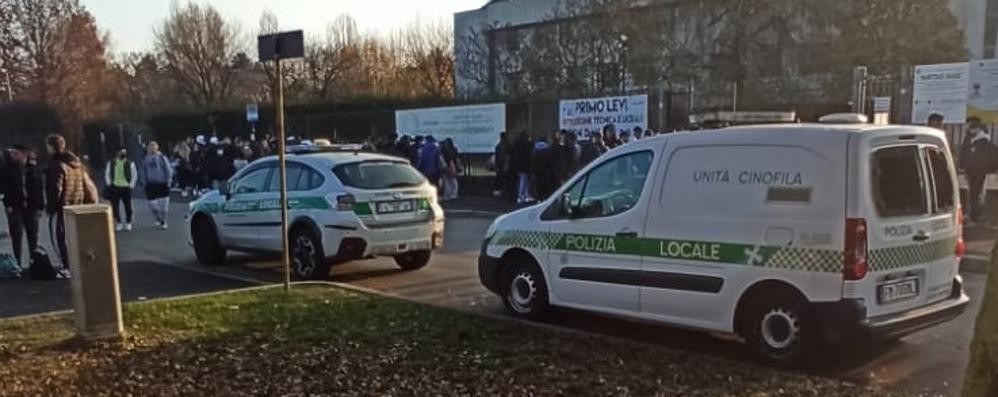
[
  {"x": 10, "y": 87},
  {"x": 282, "y": 161}
]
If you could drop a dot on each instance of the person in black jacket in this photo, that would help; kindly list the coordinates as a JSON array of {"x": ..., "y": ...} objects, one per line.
[
  {"x": 978, "y": 159},
  {"x": 23, "y": 199},
  {"x": 523, "y": 149}
]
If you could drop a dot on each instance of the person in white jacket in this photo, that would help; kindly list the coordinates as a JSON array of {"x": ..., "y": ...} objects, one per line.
[{"x": 120, "y": 176}]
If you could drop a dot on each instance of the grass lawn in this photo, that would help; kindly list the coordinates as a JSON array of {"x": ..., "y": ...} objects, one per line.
[{"x": 326, "y": 341}]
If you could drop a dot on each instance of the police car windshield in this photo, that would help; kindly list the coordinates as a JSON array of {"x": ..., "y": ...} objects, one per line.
[{"x": 378, "y": 174}]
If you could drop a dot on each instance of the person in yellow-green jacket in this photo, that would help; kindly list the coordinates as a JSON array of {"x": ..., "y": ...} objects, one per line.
[{"x": 120, "y": 176}]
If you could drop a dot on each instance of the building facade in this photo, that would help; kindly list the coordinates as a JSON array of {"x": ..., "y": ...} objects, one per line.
[{"x": 979, "y": 21}]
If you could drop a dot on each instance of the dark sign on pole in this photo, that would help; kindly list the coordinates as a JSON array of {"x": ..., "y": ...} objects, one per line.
[{"x": 282, "y": 45}]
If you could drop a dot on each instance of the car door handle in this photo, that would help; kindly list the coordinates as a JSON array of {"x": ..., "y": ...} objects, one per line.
[
  {"x": 627, "y": 234},
  {"x": 921, "y": 236}
]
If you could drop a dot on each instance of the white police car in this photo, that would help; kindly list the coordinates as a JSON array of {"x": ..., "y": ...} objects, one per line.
[
  {"x": 788, "y": 235},
  {"x": 343, "y": 205}
]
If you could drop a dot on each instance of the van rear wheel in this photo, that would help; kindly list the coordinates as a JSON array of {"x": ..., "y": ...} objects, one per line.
[
  {"x": 780, "y": 329},
  {"x": 524, "y": 290}
]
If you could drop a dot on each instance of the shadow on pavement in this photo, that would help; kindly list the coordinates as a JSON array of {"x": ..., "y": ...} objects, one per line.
[{"x": 138, "y": 280}]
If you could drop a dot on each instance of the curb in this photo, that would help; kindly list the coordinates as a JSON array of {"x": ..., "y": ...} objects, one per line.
[
  {"x": 473, "y": 213},
  {"x": 975, "y": 264}
]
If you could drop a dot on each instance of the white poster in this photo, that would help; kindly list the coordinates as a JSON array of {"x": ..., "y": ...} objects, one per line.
[
  {"x": 940, "y": 89},
  {"x": 591, "y": 114},
  {"x": 983, "y": 94},
  {"x": 474, "y": 128}
]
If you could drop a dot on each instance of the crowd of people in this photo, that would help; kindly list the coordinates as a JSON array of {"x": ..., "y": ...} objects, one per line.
[
  {"x": 440, "y": 162},
  {"x": 29, "y": 191},
  {"x": 528, "y": 169},
  {"x": 204, "y": 163}
]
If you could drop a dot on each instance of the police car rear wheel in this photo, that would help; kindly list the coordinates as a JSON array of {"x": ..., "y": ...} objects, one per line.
[
  {"x": 525, "y": 293},
  {"x": 207, "y": 247},
  {"x": 307, "y": 258},
  {"x": 415, "y": 260},
  {"x": 780, "y": 331}
]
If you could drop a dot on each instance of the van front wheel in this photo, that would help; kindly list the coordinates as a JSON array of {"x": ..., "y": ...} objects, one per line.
[
  {"x": 524, "y": 290},
  {"x": 780, "y": 329}
]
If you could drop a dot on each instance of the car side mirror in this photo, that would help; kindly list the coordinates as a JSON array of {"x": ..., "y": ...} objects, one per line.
[{"x": 226, "y": 190}]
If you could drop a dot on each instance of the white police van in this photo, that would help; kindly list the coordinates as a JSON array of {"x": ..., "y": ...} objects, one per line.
[
  {"x": 343, "y": 205},
  {"x": 787, "y": 235}
]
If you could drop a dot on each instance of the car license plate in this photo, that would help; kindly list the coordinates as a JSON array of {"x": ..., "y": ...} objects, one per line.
[
  {"x": 391, "y": 207},
  {"x": 897, "y": 291}
]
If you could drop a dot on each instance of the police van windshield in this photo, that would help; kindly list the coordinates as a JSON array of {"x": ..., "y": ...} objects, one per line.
[{"x": 379, "y": 174}]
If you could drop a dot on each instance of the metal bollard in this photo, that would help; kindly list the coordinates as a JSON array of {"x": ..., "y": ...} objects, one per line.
[{"x": 93, "y": 262}]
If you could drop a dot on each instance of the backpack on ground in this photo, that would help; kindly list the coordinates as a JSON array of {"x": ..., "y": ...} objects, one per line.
[
  {"x": 9, "y": 267},
  {"x": 40, "y": 267}
]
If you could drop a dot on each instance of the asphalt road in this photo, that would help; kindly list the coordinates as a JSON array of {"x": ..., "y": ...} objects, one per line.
[{"x": 157, "y": 263}]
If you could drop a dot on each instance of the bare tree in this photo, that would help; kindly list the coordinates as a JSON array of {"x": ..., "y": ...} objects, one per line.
[
  {"x": 330, "y": 56},
  {"x": 197, "y": 46},
  {"x": 427, "y": 51},
  {"x": 55, "y": 55}
]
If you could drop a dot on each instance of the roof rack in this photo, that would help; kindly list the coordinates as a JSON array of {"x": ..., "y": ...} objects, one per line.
[
  {"x": 312, "y": 149},
  {"x": 844, "y": 118}
]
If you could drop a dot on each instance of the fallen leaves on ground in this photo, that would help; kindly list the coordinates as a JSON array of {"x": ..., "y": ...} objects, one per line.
[{"x": 321, "y": 341}]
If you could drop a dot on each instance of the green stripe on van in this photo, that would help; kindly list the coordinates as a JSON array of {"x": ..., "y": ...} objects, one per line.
[
  {"x": 804, "y": 259},
  {"x": 791, "y": 258}
]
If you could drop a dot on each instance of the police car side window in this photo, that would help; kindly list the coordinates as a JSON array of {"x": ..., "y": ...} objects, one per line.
[
  {"x": 614, "y": 186},
  {"x": 294, "y": 174},
  {"x": 253, "y": 182}
]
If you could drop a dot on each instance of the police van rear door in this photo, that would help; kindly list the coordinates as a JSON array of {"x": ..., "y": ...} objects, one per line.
[{"x": 911, "y": 226}]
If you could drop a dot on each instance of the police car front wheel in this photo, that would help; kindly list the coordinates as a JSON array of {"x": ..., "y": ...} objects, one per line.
[
  {"x": 524, "y": 290},
  {"x": 307, "y": 257},
  {"x": 780, "y": 329}
]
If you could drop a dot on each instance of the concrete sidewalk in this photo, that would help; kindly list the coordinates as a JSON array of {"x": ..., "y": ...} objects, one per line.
[{"x": 139, "y": 280}]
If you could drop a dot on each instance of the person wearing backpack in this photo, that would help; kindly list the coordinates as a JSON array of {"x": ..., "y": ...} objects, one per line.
[
  {"x": 67, "y": 183},
  {"x": 978, "y": 159},
  {"x": 23, "y": 199},
  {"x": 157, "y": 173},
  {"x": 120, "y": 176}
]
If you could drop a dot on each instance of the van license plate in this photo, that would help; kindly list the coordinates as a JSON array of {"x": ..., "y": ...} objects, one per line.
[
  {"x": 391, "y": 207},
  {"x": 897, "y": 291}
]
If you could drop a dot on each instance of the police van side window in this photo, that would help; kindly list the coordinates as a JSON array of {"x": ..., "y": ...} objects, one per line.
[
  {"x": 942, "y": 180},
  {"x": 898, "y": 186},
  {"x": 614, "y": 186}
]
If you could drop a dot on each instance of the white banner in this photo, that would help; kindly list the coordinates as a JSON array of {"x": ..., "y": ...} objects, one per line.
[
  {"x": 983, "y": 94},
  {"x": 940, "y": 89},
  {"x": 474, "y": 128},
  {"x": 591, "y": 114}
]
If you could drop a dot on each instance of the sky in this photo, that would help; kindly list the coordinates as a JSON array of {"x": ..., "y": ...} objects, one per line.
[{"x": 131, "y": 22}]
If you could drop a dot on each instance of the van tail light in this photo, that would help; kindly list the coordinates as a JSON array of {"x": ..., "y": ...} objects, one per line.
[
  {"x": 856, "y": 250},
  {"x": 345, "y": 202},
  {"x": 961, "y": 247}
]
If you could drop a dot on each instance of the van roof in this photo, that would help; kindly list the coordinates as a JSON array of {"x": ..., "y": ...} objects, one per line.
[{"x": 774, "y": 131}]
